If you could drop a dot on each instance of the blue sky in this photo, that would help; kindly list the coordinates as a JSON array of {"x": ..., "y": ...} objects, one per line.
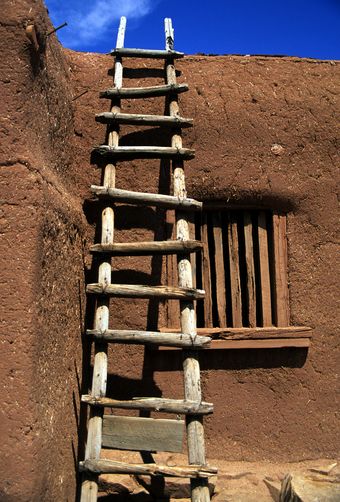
[{"x": 307, "y": 28}]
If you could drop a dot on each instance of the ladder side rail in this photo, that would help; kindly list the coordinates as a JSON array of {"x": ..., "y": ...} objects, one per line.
[
  {"x": 191, "y": 367},
  {"x": 89, "y": 489}
]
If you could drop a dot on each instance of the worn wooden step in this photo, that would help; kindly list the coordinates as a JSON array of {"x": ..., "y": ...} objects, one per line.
[
  {"x": 178, "y": 406},
  {"x": 146, "y": 53},
  {"x": 143, "y": 92},
  {"x": 150, "y": 338},
  {"x": 144, "y": 199},
  {"x": 147, "y": 248},
  {"x": 139, "y": 291},
  {"x": 142, "y": 119},
  {"x": 144, "y": 152},
  {"x": 103, "y": 466}
]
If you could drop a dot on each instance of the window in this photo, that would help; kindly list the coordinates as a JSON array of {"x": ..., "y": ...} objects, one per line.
[{"x": 243, "y": 269}]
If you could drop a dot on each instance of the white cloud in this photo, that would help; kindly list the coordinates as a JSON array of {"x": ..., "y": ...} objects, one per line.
[{"x": 89, "y": 21}]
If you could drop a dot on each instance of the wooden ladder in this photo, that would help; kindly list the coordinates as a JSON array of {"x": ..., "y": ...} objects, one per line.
[{"x": 192, "y": 405}]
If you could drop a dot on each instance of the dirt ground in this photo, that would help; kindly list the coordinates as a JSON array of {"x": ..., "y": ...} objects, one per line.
[{"x": 265, "y": 133}]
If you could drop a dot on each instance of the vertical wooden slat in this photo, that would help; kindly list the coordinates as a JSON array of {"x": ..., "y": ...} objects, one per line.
[
  {"x": 220, "y": 272},
  {"x": 266, "y": 303},
  {"x": 281, "y": 307},
  {"x": 206, "y": 274},
  {"x": 89, "y": 488},
  {"x": 173, "y": 307},
  {"x": 191, "y": 367},
  {"x": 249, "y": 255},
  {"x": 193, "y": 255},
  {"x": 235, "y": 281}
]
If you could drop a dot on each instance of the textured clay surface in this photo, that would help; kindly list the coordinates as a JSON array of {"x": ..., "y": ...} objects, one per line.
[{"x": 265, "y": 133}]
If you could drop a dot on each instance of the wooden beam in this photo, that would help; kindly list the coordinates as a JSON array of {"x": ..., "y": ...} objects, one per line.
[
  {"x": 220, "y": 272},
  {"x": 149, "y": 338},
  {"x": 249, "y": 255},
  {"x": 265, "y": 287},
  {"x": 142, "y": 434},
  {"x": 143, "y": 92},
  {"x": 145, "y": 53},
  {"x": 178, "y": 406},
  {"x": 139, "y": 291},
  {"x": 206, "y": 273},
  {"x": 252, "y": 333},
  {"x": 147, "y": 248},
  {"x": 144, "y": 152},
  {"x": 104, "y": 466},
  {"x": 281, "y": 308},
  {"x": 143, "y": 120},
  {"x": 235, "y": 281},
  {"x": 279, "y": 343},
  {"x": 151, "y": 199}
]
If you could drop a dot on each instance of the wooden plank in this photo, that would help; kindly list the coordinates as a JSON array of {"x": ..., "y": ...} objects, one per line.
[
  {"x": 147, "y": 248},
  {"x": 251, "y": 333},
  {"x": 146, "y": 53},
  {"x": 279, "y": 343},
  {"x": 142, "y": 434},
  {"x": 220, "y": 272},
  {"x": 143, "y": 198},
  {"x": 143, "y": 152},
  {"x": 139, "y": 291},
  {"x": 89, "y": 487},
  {"x": 143, "y": 92},
  {"x": 177, "y": 406},
  {"x": 234, "y": 267},
  {"x": 206, "y": 274},
  {"x": 265, "y": 288},
  {"x": 191, "y": 367},
  {"x": 150, "y": 338},
  {"x": 142, "y": 119},
  {"x": 104, "y": 466},
  {"x": 250, "y": 267},
  {"x": 281, "y": 308}
]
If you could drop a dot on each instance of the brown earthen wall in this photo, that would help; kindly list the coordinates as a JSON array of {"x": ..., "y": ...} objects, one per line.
[{"x": 277, "y": 405}]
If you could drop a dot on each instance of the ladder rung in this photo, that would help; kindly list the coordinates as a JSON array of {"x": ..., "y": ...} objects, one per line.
[
  {"x": 144, "y": 199},
  {"x": 146, "y": 53},
  {"x": 139, "y": 291},
  {"x": 152, "y": 404},
  {"x": 143, "y": 92},
  {"x": 148, "y": 248},
  {"x": 103, "y": 466},
  {"x": 150, "y": 338},
  {"x": 142, "y": 152},
  {"x": 142, "y": 119}
]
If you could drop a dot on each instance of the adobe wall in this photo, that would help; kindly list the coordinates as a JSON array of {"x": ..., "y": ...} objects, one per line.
[{"x": 269, "y": 405}]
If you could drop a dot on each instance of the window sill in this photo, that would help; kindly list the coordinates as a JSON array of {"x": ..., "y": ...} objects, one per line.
[{"x": 253, "y": 338}]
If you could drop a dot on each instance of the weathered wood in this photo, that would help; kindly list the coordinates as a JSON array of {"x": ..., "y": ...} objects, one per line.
[
  {"x": 251, "y": 333},
  {"x": 142, "y": 119},
  {"x": 142, "y": 434},
  {"x": 220, "y": 272},
  {"x": 281, "y": 307},
  {"x": 206, "y": 273},
  {"x": 279, "y": 343},
  {"x": 150, "y": 338},
  {"x": 147, "y": 248},
  {"x": 142, "y": 198},
  {"x": 308, "y": 487},
  {"x": 143, "y": 152},
  {"x": 234, "y": 267},
  {"x": 146, "y": 53},
  {"x": 192, "y": 382},
  {"x": 250, "y": 267},
  {"x": 143, "y": 92},
  {"x": 89, "y": 487},
  {"x": 139, "y": 291},
  {"x": 113, "y": 467},
  {"x": 265, "y": 288},
  {"x": 178, "y": 406}
]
